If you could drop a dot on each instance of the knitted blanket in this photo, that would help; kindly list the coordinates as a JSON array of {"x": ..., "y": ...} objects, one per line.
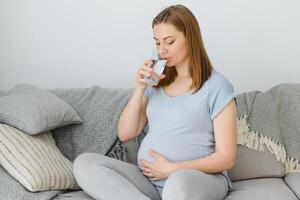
[{"x": 271, "y": 120}]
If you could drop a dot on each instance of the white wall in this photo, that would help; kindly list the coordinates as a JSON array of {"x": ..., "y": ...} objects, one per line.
[{"x": 73, "y": 43}]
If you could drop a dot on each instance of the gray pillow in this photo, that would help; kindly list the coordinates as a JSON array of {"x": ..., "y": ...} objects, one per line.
[
  {"x": 255, "y": 164},
  {"x": 34, "y": 110}
]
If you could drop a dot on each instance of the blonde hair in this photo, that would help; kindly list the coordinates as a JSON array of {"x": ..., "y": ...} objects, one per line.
[{"x": 185, "y": 21}]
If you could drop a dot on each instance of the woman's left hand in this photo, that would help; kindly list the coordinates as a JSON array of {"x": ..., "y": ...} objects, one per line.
[{"x": 161, "y": 168}]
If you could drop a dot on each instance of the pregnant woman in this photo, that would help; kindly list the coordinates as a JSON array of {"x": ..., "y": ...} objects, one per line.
[{"x": 191, "y": 115}]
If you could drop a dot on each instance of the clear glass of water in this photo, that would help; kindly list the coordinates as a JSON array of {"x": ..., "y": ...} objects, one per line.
[{"x": 158, "y": 67}]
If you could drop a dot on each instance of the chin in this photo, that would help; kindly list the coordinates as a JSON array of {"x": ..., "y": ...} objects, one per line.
[{"x": 170, "y": 65}]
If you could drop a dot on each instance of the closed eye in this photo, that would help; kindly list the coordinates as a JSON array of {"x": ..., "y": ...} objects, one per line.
[{"x": 168, "y": 43}]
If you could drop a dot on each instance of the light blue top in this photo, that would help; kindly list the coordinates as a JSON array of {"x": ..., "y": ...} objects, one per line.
[{"x": 180, "y": 127}]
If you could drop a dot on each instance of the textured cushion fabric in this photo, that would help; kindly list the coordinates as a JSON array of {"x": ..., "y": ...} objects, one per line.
[
  {"x": 131, "y": 148},
  {"x": 34, "y": 110},
  {"x": 78, "y": 195},
  {"x": 35, "y": 161},
  {"x": 10, "y": 189},
  {"x": 100, "y": 109},
  {"x": 293, "y": 181},
  {"x": 255, "y": 164},
  {"x": 117, "y": 151},
  {"x": 261, "y": 189}
]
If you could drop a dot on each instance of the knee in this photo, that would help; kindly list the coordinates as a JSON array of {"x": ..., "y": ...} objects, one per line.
[
  {"x": 182, "y": 184},
  {"x": 83, "y": 159},
  {"x": 84, "y": 163},
  {"x": 183, "y": 179}
]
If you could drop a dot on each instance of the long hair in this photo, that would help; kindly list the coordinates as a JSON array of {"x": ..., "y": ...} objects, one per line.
[{"x": 199, "y": 64}]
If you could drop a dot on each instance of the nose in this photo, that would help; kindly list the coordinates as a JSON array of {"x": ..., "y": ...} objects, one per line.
[{"x": 162, "y": 51}]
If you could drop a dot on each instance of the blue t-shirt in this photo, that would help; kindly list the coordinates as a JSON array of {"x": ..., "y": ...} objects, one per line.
[{"x": 181, "y": 127}]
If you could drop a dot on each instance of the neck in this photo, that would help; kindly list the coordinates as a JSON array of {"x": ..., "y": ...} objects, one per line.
[{"x": 183, "y": 70}]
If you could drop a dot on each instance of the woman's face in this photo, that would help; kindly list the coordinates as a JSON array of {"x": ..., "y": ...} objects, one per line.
[{"x": 170, "y": 44}]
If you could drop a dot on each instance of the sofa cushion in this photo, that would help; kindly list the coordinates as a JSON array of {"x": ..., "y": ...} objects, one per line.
[
  {"x": 11, "y": 189},
  {"x": 255, "y": 164},
  {"x": 78, "y": 195},
  {"x": 293, "y": 181},
  {"x": 131, "y": 147},
  {"x": 35, "y": 161},
  {"x": 100, "y": 110},
  {"x": 260, "y": 189},
  {"x": 34, "y": 110}
]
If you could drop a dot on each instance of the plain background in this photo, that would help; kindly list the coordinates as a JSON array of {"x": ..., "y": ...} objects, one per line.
[{"x": 80, "y": 43}]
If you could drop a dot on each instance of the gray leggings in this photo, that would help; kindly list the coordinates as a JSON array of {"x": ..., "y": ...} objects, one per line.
[{"x": 104, "y": 178}]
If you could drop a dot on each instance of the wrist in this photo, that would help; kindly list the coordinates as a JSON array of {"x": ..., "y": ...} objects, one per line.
[
  {"x": 173, "y": 167},
  {"x": 140, "y": 88}
]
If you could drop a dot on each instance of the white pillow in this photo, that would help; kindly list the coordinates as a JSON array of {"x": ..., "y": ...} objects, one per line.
[{"x": 35, "y": 161}]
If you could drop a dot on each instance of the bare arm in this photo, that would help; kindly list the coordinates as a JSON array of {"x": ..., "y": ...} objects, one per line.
[{"x": 133, "y": 117}]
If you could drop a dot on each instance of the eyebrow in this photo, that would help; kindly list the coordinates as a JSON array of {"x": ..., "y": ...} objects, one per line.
[{"x": 164, "y": 37}]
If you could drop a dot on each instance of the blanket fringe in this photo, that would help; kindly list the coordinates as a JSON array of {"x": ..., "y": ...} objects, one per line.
[
  {"x": 259, "y": 142},
  {"x": 292, "y": 165}
]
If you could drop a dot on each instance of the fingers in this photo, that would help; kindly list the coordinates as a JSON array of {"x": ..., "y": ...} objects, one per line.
[
  {"x": 144, "y": 72},
  {"x": 148, "y": 174},
  {"x": 153, "y": 176},
  {"x": 148, "y": 62},
  {"x": 154, "y": 179},
  {"x": 147, "y": 66},
  {"x": 146, "y": 171},
  {"x": 162, "y": 76}
]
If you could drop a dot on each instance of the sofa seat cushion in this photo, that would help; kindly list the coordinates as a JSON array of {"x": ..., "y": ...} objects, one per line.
[
  {"x": 261, "y": 189},
  {"x": 293, "y": 181},
  {"x": 78, "y": 195},
  {"x": 255, "y": 164}
]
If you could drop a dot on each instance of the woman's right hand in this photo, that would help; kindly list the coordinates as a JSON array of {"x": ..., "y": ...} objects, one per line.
[{"x": 144, "y": 71}]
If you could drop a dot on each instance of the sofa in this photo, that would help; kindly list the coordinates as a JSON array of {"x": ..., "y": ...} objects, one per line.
[{"x": 259, "y": 173}]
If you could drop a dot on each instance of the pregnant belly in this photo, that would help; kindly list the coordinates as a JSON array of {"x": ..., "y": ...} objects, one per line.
[{"x": 174, "y": 150}]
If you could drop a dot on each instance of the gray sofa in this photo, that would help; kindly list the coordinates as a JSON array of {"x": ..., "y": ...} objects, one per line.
[{"x": 257, "y": 175}]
